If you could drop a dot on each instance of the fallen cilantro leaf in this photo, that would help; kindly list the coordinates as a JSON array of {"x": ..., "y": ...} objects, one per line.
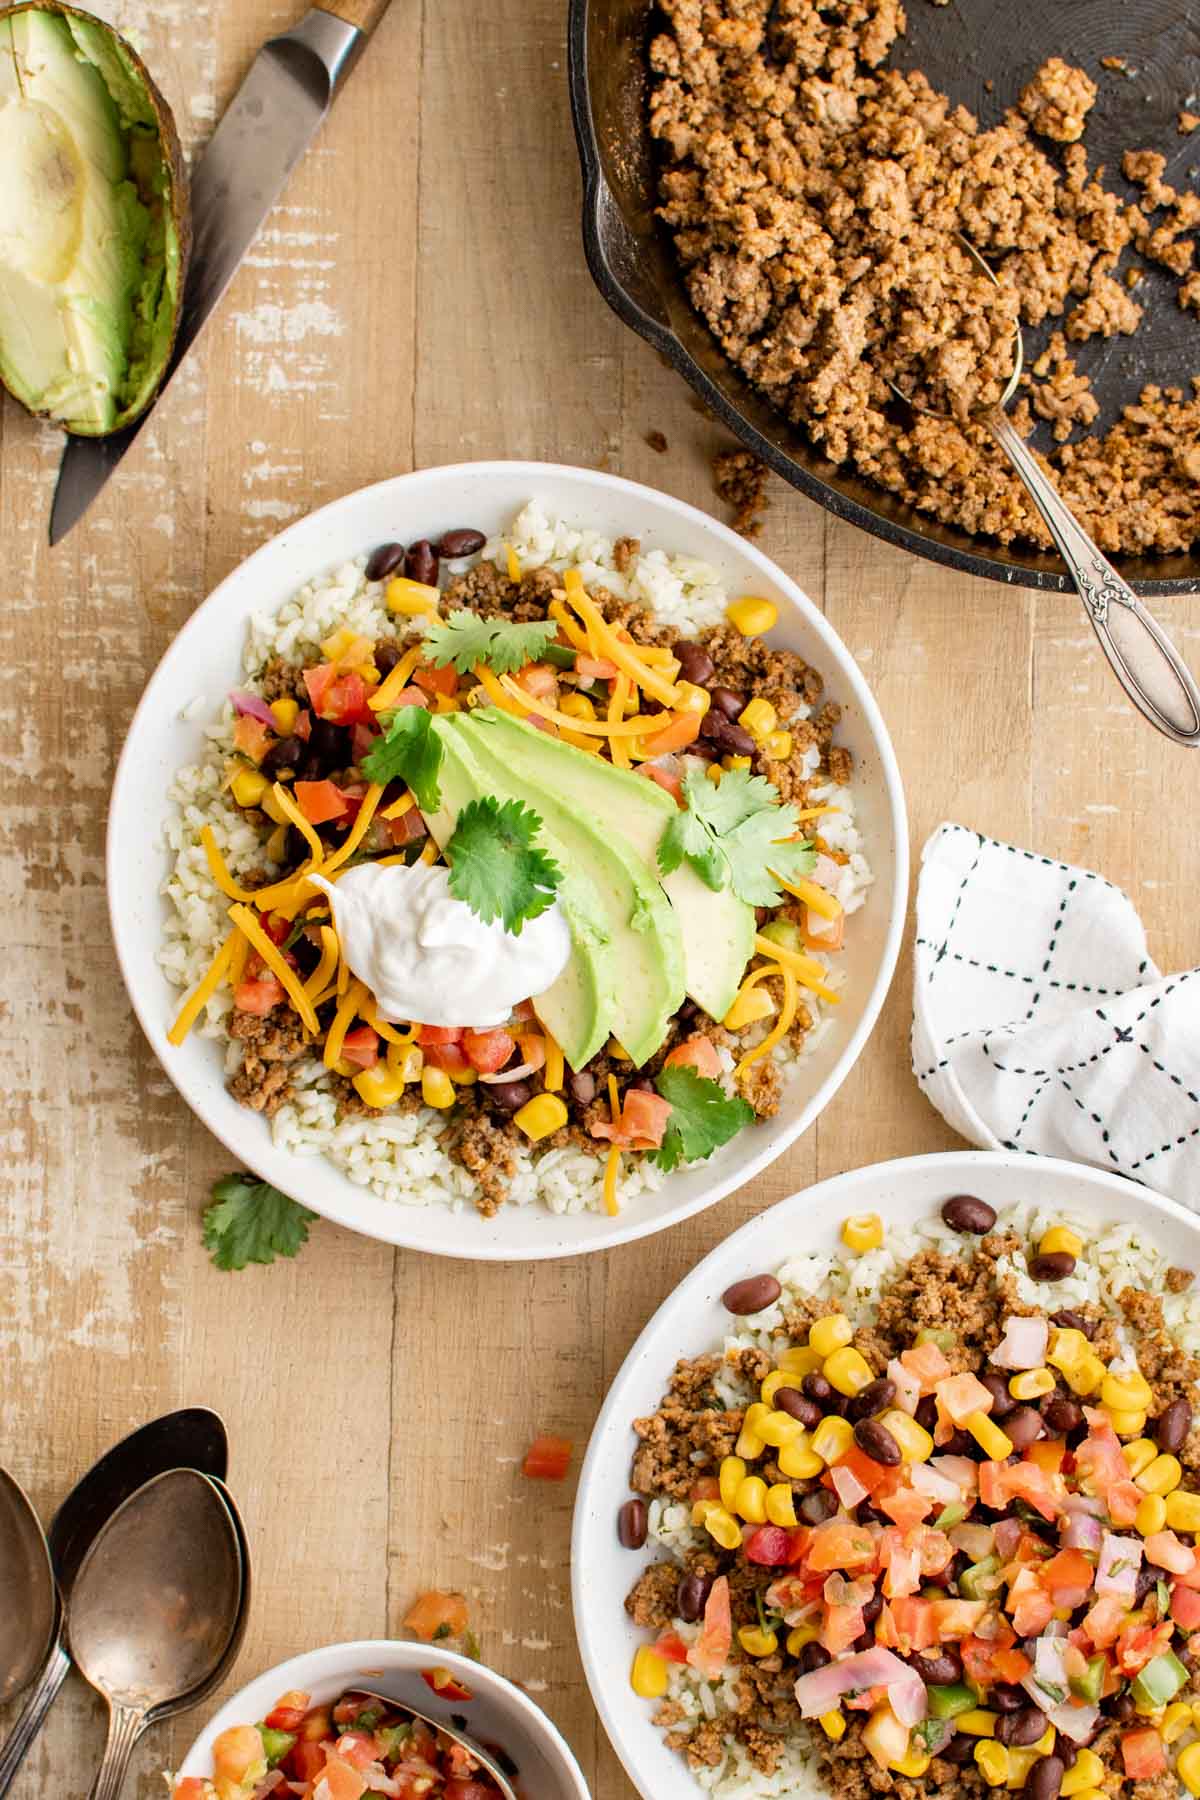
[
  {"x": 466, "y": 640},
  {"x": 249, "y": 1221},
  {"x": 703, "y": 1117},
  {"x": 736, "y": 834},
  {"x": 412, "y": 753},
  {"x": 496, "y": 868}
]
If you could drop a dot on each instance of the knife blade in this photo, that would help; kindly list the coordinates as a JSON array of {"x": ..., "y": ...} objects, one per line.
[{"x": 274, "y": 116}]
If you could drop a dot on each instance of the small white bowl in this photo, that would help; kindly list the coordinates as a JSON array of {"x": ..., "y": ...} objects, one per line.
[
  {"x": 499, "y": 1714},
  {"x": 204, "y": 662},
  {"x": 693, "y": 1321}
]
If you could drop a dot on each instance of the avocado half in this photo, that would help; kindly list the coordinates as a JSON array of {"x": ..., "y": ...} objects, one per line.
[{"x": 95, "y": 226}]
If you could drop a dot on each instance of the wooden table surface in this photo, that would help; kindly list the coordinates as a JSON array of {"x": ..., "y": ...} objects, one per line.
[{"x": 419, "y": 297}]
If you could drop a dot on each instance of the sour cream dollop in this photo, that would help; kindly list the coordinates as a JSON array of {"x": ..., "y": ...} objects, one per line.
[{"x": 426, "y": 956}]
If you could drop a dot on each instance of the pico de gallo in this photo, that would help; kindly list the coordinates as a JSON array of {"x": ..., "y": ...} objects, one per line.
[
  {"x": 358, "y": 1745},
  {"x": 953, "y": 1543}
]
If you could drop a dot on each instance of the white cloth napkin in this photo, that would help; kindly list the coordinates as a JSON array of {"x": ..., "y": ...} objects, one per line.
[{"x": 1040, "y": 1022}]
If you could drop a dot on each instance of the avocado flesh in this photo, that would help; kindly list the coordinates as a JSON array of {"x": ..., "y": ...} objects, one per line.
[
  {"x": 575, "y": 1009},
  {"x": 717, "y": 928},
  {"x": 90, "y": 252}
]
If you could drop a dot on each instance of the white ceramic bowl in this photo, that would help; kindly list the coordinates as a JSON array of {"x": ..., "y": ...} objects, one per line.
[
  {"x": 498, "y": 1714},
  {"x": 205, "y": 660},
  {"x": 693, "y": 1321}
]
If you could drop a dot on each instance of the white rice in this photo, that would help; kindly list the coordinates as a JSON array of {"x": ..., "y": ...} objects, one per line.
[
  {"x": 1117, "y": 1255},
  {"x": 399, "y": 1157}
]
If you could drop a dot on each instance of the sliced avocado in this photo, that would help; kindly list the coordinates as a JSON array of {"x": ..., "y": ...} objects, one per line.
[
  {"x": 644, "y": 952},
  {"x": 93, "y": 221},
  {"x": 577, "y": 1008},
  {"x": 718, "y": 929}
]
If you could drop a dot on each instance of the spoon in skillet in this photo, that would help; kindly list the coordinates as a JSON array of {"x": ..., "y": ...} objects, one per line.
[{"x": 1142, "y": 657}]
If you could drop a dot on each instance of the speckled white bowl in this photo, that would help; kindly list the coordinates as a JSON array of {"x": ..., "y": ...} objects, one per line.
[{"x": 205, "y": 661}]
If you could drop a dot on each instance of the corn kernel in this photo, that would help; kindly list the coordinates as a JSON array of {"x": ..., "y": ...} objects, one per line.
[
  {"x": 750, "y": 1442},
  {"x": 800, "y": 1635},
  {"x": 1059, "y": 1239},
  {"x": 1151, "y": 1515},
  {"x": 379, "y": 1086},
  {"x": 830, "y": 1333},
  {"x": 1084, "y": 1377},
  {"x": 751, "y": 1500},
  {"x": 833, "y": 1724},
  {"x": 411, "y": 597},
  {"x": 730, "y": 1477},
  {"x": 1126, "y": 1393},
  {"x": 277, "y": 843},
  {"x": 978, "y": 1722},
  {"x": 285, "y": 712},
  {"x": 1085, "y": 1772},
  {"x": 991, "y": 1440},
  {"x": 577, "y": 706},
  {"x": 913, "y": 1764},
  {"x": 692, "y": 699},
  {"x": 723, "y": 1528},
  {"x": 1183, "y": 1514},
  {"x": 781, "y": 1505},
  {"x": 1090, "y": 1793},
  {"x": 1045, "y": 1744},
  {"x": 649, "y": 1674},
  {"x": 798, "y": 1460},
  {"x": 992, "y": 1761},
  {"x": 756, "y": 1642},
  {"x": 1031, "y": 1384},
  {"x": 748, "y": 1007},
  {"x": 539, "y": 1117},
  {"x": 1162, "y": 1476},
  {"x": 778, "y": 1429},
  {"x": 1139, "y": 1454},
  {"x": 862, "y": 1231},
  {"x": 775, "y": 1380},
  {"x": 1068, "y": 1348},
  {"x": 248, "y": 787},
  {"x": 777, "y": 746},
  {"x": 735, "y": 762},
  {"x": 800, "y": 1360},
  {"x": 916, "y": 1445},
  {"x": 1125, "y": 1424},
  {"x": 758, "y": 718},
  {"x": 832, "y": 1438},
  {"x": 437, "y": 1089},
  {"x": 1175, "y": 1721},
  {"x": 1019, "y": 1764},
  {"x": 463, "y": 1077},
  {"x": 714, "y": 773},
  {"x": 752, "y": 615},
  {"x": 847, "y": 1370},
  {"x": 1187, "y": 1767}
]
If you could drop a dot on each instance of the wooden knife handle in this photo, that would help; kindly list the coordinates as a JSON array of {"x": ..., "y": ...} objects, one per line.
[{"x": 365, "y": 14}]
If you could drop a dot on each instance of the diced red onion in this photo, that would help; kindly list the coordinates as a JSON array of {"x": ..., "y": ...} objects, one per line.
[
  {"x": 1023, "y": 1345},
  {"x": 268, "y": 1784},
  {"x": 819, "y": 1692},
  {"x": 848, "y": 1487},
  {"x": 1120, "y": 1560},
  {"x": 253, "y": 706},
  {"x": 517, "y": 1074},
  {"x": 1083, "y": 1503},
  {"x": 1048, "y": 1672},
  {"x": 1076, "y": 1722},
  {"x": 932, "y": 1481},
  {"x": 908, "y": 1388},
  {"x": 1080, "y": 1531},
  {"x": 1007, "y": 1534},
  {"x": 976, "y": 1541},
  {"x": 959, "y": 1469}
]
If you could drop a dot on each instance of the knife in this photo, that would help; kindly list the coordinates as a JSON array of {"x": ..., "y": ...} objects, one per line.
[{"x": 276, "y": 113}]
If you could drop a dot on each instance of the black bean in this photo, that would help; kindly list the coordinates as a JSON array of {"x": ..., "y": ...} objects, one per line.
[
  {"x": 961, "y": 1443},
  {"x": 926, "y": 1413},
  {"x": 1066, "y": 1320},
  {"x": 383, "y": 561},
  {"x": 725, "y": 700},
  {"x": 816, "y": 1507},
  {"x": 509, "y": 1096},
  {"x": 462, "y": 542},
  {"x": 967, "y": 1213},
  {"x": 1006, "y": 1697},
  {"x": 691, "y": 1597},
  {"x": 288, "y": 753},
  {"x": 1046, "y": 1776},
  {"x": 1065, "y": 1749},
  {"x": 797, "y": 1406},
  {"x": 877, "y": 1442},
  {"x": 818, "y": 1387},
  {"x": 1121, "y": 1706},
  {"x": 641, "y": 1084},
  {"x": 1172, "y": 1426},
  {"x": 728, "y": 737},
  {"x": 751, "y": 1295},
  {"x": 863, "y": 1641},
  {"x": 695, "y": 664},
  {"x": 871, "y": 1515},
  {"x": 421, "y": 563},
  {"x": 1023, "y": 1426},
  {"x": 631, "y": 1524},
  {"x": 872, "y": 1608},
  {"x": 941, "y": 1670},
  {"x": 960, "y": 1749},
  {"x": 876, "y": 1397},
  {"x": 330, "y": 745},
  {"x": 997, "y": 1387},
  {"x": 1147, "y": 1578},
  {"x": 1062, "y": 1415},
  {"x": 1022, "y": 1727},
  {"x": 813, "y": 1657},
  {"x": 386, "y": 656},
  {"x": 1055, "y": 1265},
  {"x": 583, "y": 1088}
]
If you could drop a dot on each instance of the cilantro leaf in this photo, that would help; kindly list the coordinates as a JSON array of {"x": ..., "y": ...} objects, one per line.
[
  {"x": 703, "y": 1117},
  {"x": 496, "y": 868},
  {"x": 756, "y": 857},
  {"x": 735, "y": 833},
  {"x": 250, "y": 1221},
  {"x": 724, "y": 804},
  {"x": 411, "y": 752},
  {"x": 685, "y": 836},
  {"x": 465, "y": 640}
]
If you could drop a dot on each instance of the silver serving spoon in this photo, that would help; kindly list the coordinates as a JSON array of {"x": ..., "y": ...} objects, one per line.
[
  {"x": 192, "y": 1437},
  {"x": 1144, "y": 660},
  {"x": 158, "y": 1609},
  {"x": 29, "y": 1615},
  {"x": 484, "y": 1758}
]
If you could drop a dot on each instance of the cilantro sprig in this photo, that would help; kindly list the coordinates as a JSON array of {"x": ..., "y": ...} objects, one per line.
[
  {"x": 465, "y": 640},
  {"x": 703, "y": 1116},
  {"x": 736, "y": 834},
  {"x": 250, "y": 1221},
  {"x": 411, "y": 752},
  {"x": 496, "y": 867}
]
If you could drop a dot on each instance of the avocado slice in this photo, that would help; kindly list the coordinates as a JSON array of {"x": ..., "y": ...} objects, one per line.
[
  {"x": 94, "y": 221},
  {"x": 717, "y": 929}
]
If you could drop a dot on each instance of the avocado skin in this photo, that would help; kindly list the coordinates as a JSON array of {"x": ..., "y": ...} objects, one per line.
[{"x": 155, "y": 161}]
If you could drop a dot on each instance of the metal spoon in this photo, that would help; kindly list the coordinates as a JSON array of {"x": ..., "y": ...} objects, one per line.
[
  {"x": 30, "y": 1612},
  {"x": 483, "y": 1757},
  {"x": 158, "y": 1609},
  {"x": 1144, "y": 660},
  {"x": 194, "y": 1438}
]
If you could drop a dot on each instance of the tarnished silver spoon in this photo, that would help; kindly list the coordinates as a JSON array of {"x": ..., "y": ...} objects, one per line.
[
  {"x": 1142, "y": 656},
  {"x": 29, "y": 1614},
  {"x": 158, "y": 1609},
  {"x": 484, "y": 1758}
]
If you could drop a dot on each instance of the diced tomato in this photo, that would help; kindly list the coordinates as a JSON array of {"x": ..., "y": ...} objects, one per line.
[
  {"x": 959, "y": 1396},
  {"x": 1191, "y": 1579},
  {"x": 190, "y": 1788},
  {"x": 595, "y": 668},
  {"x": 460, "y": 1787},
  {"x": 320, "y": 801},
  {"x": 840, "y": 1544},
  {"x": 710, "y": 1650},
  {"x": 767, "y": 1545},
  {"x": 251, "y": 737},
  {"x": 956, "y": 1618},
  {"x": 436, "y": 1614},
  {"x": 1049, "y": 1454},
  {"x": 912, "y": 1622},
  {"x": 905, "y": 1506},
  {"x": 1011, "y": 1665},
  {"x": 409, "y": 696},
  {"x": 288, "y": 1712},
  {"x": 1185, "y": 1607},
  {"x": 439, "y": 1034},
  {"x": 547, "y": 1458},
  {"x": 840, "y": 1626},
  {"x": 436, "y": 681},
  {"x": 303, "y": 726},
  {"x": 697, "y": 1053},
  {"x": 1067, "y": 1578},
  {"x": 866, "y": 1470},
  {"x": 1029, "y": 1605},
  {"x": 443, "y": 1683},
  {"x": 317, "y": 1726},
  {"x": 639, "y": 1125},
  {"x": 258, "y": 994},
  {"x": 339, "y": 696},
  {"x": 927, "y": 1363},
  {"x": 1140, "y": 1644},
  {"x": 1123, "y": 1499},
  {"x": 407, "y": 829},
  {"x": 1099, "y": 1458},
  {"x": 361, "y": 1047},
  {"x": 1025, "y": 1481},
  {"x": 669, "y": 780},
  {"x": 1143, "y": 1754},
  {"x": 1104, "y": 1622},
  {"x": 671, "y": 1647},
  {"x": 683, "y": 730},
  {"x": 358, "y": 1748},
  {"x": 538, "y": 679},
  {"x": 706, "y": 1488},
  {"x": 304, "y": 1761},
  {"x": 362, "y": 738},
  {"x": 488, "y": 1051},
  {"x": 824, "y": 934},
  {"x": 451, "y": 1058},
  {"x": 343, "y": 1781}
]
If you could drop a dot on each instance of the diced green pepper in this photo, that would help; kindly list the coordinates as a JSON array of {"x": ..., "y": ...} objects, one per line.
[
  {"x": 934, "y": 1733},
  {"x": 276, "y": 1744},
  {"x": 391, "y": 1741},
  {"x": 954, "y": 1514},
  {"x": 1090, "y": 1685},
  {"x": 1158, "y": 1682},
  {"x": 970, "y": 1581},
  {"x": 561, "y": 655},
  {"x": 948, "y": 1702},
  {"x": 782, "y": 931},
  {"x": 368, "y": 1718},
  {"x": 945, "y": 1340}
]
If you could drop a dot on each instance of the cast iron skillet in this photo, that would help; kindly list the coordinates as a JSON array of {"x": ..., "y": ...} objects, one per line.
[{"x": 959, "y": 47}]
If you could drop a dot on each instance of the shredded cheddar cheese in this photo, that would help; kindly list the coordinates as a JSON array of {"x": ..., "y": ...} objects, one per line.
[
  {"x": 279, "y": 967},
  {"x": 805, "y": 968},
  {"x": 330, "y": 951},
  {"x": 217, "y": 869},
  {"x": 294, "y": 816},
  {"x": 821, "y": 901},
  {"x": 397, "y": 681},
  {"x": 552, "y": 1078},
  {"x": 616, "y": 712},
  {"x": 570, "y": 630},
  {"x": 634, "y": 727},
  {"x": 612, "y": 1170},
  {"x": 399, "y": 807},
  {"x": 624, "y": 655},
  {"x": 782, "y": 1025},
  {"x": 335, "y": 1037},
  {"x": 369, "y": 1011},
  {"x": 357, "y": 832},
  {"x": 514, "y": 563},
  {"x": 201, "y": 995}
]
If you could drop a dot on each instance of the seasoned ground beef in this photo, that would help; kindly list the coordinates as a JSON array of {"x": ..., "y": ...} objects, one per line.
[
  {"x": 271, "y": 1043},
  {"x": 740, "y": 479}
]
